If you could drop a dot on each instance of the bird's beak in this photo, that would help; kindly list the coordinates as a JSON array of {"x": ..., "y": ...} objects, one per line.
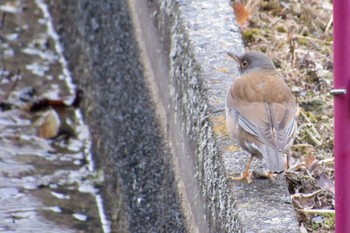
[{"x": 234, "y": 57}]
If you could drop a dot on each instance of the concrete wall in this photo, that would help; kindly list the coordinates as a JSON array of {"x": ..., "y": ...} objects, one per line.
[
  {"x": 140, "y": 193},
  {"x": 155, "y": 74}
]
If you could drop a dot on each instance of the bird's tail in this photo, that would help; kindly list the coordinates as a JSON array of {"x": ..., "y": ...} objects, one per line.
[{"x": 273, "y": 158}]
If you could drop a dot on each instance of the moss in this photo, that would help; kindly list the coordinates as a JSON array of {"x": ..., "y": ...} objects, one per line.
[
  {"x": 250, "y": 34},
  {"x": 329, "y": 39},
  {"x": 329, "y": 221},
  {"x": 233, "y": 148},
  {"x": 311, "y": 116},
  {"x": 327, "y": 224},
  {"x": 219, "y": 125},
  {"x": 302, "y": 41},
  {"x": 281, "y": 29}
]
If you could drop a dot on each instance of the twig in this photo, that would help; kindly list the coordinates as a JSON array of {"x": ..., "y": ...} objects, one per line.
[
  {"x": 302, "y": 195},
  {"x": 329, "y": 24},
  {"x": 2, "y": 22},
  {"x": 275, "y": 20},
  {"x": 13, "y": 85},
  {"x": 306, "y": 118},
  {"x": 314, "y": 39},
  {"x": 274, "y": 33},
  {"x": 292, "y": 47},
  {"x": 314, "y": 135},
  {"x": 302, "y": 145},
  {"x": 327, "y": 161},
  {"x": 317, "y": 211},
  {"x": 251, "y": 5}
]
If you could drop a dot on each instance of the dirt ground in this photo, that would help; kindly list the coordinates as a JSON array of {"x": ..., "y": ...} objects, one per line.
[{"x": 297, "y": 35}]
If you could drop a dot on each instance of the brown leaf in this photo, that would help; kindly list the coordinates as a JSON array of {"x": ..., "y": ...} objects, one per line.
[
  {"x": 241, "y": 12},
  {"x": 45, "y": 103},
  {"x": 49, "y": 124},
  {"x": 309, "y": 160}
]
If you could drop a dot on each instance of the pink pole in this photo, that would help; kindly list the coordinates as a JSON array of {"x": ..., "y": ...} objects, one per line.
[{"x": 341, "y": 23}]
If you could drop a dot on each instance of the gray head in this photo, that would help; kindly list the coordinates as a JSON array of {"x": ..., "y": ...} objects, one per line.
[{"x": 253, "y": 60}]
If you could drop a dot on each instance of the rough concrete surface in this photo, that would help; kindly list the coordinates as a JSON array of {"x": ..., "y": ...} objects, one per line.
[
  {"x": 160, "y": 139},
  {"x": 127, "y": 142},
  {"x": 196, "y": 36}
]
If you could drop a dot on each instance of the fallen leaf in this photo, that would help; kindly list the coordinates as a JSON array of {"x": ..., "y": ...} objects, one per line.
[
  {"x": 309, "y": 160},
  {"x": 45, "y": 103},
  {"x": 49, "y": 124},
  {"x": 241, "y": 12},
  {"x": 326, "y": 183}
]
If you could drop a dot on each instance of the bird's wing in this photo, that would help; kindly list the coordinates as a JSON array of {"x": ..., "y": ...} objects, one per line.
[
  {"x": 264, "y": 107},
  {"x": 283, "y": 120}
]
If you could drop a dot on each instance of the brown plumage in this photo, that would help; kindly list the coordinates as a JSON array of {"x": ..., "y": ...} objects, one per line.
[{"x": 261, "y": 111}]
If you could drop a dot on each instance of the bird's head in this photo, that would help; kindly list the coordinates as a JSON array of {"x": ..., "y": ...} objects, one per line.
[{"x": 252, "y": 60}]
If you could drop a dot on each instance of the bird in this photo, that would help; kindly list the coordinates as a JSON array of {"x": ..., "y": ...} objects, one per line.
[{"x": 261, "y": 113}]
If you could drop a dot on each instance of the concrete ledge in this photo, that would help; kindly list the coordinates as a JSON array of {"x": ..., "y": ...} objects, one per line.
[
  {"x": 172, "y": 90},
  {"x": 196, "y": 36}
]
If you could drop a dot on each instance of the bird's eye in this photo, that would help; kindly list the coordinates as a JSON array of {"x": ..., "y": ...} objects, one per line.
[{"x": 244, "y": 63}]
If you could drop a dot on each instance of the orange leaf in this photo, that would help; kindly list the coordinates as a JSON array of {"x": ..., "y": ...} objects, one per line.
[
  {"x": 49, "y": 125},
  {"x": 309, "y": 160},
  {"x": 242, "y": 13}
]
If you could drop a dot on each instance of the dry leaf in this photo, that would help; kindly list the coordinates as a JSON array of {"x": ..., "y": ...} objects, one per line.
[
  {"x": 46, "y": 103},
  {"x": 309, "y": 160},
  {"x": 241, "y": 12},
  {"x": 49, "y": 124},
  {"x": 326, "y": 183}
]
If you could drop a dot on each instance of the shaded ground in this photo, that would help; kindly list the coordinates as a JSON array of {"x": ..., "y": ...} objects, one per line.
[
  {"x": 297, "y": 35},
  {"x": 47, "y": 182}
]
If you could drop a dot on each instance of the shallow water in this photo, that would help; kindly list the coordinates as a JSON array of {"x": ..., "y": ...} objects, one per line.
[{"x": 47, "y": 183}]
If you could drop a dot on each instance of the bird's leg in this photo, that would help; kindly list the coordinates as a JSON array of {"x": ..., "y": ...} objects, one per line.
[
  {"x": 286, "y": 162},
  {"x": 246, "y": 175}
]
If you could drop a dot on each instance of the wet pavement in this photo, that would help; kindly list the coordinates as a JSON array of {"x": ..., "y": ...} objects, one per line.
[{"x": 47, "y": 177}]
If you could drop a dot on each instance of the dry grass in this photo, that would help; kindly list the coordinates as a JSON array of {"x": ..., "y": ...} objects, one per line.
[{"x": 297, "y": 35}]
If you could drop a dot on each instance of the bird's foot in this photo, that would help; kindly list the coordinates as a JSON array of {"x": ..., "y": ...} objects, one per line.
[
  {"x": 246, "y": 176},
  {"x": 271, "y": 175}
]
